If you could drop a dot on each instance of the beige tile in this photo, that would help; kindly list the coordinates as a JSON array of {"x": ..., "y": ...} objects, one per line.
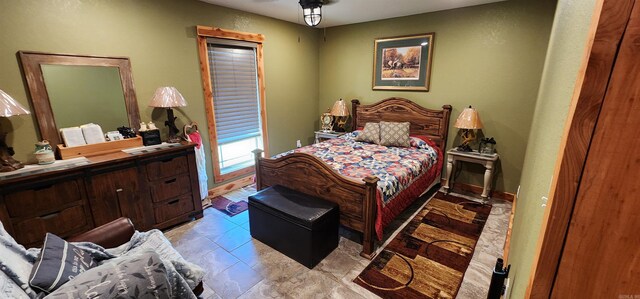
[
  {"x": 213, "y": 227},
  {"x": 192, "y": 246},
  {"x": 216, "y": 261},
  {"x": 338, "y": 263},
  {"x": 266, "y": 289},
  {"x": 208, "y": 293},
  {"x": 234, "y": 281},
  {"x": 241, "y": 218},
  {"x": 233, "y": 238},
  {"x": 252, "y": 253}
]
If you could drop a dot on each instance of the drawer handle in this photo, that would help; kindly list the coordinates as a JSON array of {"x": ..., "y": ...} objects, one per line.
[
  {"x": 119, "y": 190},
  {"x": 43, "y": 187},
  {"x": 170, "y": 181},
  {"x": 167, "y": 160},
  {"x": 49, "y": 216},
  {"x": 173, "y": 202}
]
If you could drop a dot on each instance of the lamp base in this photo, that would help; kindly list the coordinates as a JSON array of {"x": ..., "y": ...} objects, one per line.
[
  {"x": 173, "y": 130},
  {"x": 7, "y": 162}
]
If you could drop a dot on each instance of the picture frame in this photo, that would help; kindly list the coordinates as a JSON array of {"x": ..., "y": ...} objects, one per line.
[{"x": 403, "y": 62}]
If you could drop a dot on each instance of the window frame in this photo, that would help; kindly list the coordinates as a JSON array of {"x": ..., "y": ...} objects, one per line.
[{"x": 203, "y": 33}]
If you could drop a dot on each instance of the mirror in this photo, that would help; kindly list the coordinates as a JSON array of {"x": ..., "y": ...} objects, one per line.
[{"x": 72, "y": 90}]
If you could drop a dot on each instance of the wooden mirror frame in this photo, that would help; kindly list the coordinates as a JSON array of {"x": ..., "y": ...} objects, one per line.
[{"x": 31, "y": 62}]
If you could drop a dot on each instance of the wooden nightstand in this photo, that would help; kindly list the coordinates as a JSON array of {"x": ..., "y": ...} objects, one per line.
[
  {"x": 322, "y": 135},
  {"x": 488, "y": 161}
]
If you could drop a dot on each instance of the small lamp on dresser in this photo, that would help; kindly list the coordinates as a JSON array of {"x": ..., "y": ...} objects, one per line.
[
  {"x": 169, "y": 97},
  {"x": 341, "y": 114},
  {"x": 9, "y": 107},
  {"x": 468, "y": 121}
]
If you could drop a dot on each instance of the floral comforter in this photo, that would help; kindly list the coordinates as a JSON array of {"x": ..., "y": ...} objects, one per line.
[{"x": 396, "y": 167}]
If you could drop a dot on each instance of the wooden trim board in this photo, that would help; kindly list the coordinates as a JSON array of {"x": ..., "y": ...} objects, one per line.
[
  {"x": 609, "y": 22},
  {"x": 228, "y": 187}
]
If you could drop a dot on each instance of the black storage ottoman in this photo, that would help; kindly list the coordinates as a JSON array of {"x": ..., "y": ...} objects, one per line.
[{"x": 300, "y": 226}]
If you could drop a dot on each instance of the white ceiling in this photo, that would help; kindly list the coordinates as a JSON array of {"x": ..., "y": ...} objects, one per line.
[{"x": 343, "y": 12}]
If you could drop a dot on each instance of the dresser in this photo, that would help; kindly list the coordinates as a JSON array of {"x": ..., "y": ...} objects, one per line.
[{"x": 156, "y": 187}]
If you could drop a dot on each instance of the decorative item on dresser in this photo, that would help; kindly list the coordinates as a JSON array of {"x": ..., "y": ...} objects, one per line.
[
  {"x": 357, "y": 198},
  {"x": 468, "y": 121},
  {"x": 341, "y": 114},
  {"x": 8, "y": 107},
  {"x": 155, "y": 187},
  {"x": 169, "y": 97}
]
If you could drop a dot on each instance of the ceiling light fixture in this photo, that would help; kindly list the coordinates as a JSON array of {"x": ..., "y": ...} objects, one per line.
[{"x": 312, "y": 11}]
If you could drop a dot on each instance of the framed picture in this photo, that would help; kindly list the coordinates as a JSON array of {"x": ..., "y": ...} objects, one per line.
[{"x": 403, "y": 62}]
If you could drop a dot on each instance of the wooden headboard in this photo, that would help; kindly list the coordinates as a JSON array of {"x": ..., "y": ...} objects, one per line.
[{"x": 432, "y": 123}]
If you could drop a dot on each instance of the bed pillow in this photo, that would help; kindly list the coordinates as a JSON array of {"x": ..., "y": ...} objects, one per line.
[
  {"x": 58, "y": 263},
  {"x": 394, "y": 134},
  {"x": 370, "y": 133}
]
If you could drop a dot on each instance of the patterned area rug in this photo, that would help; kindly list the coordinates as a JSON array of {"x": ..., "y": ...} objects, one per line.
[
  {"x": 428, "y": 258},
  {"x": 227, "y": 206}
]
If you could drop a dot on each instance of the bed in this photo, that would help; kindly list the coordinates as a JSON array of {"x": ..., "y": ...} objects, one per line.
[{"x": 362, "y": 203}]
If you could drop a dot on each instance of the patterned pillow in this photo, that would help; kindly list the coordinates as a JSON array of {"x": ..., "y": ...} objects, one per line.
[
  {"x": 370, "y": 133},
  {"x": 58, "y": 263},
  {"x": 394, "y": 134},
  {"x": 145, "y": 276}
]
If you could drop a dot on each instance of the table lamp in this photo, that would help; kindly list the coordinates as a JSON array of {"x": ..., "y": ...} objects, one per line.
[
  {"x": 468, "y": 121},
  {"x": 169, "y": 97},
  {"x": 341, "y": 113},
  {"x": 9, "y": 107}
]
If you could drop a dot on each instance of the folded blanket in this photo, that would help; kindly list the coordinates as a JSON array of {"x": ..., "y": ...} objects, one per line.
[{"x": 16, "y": 262}]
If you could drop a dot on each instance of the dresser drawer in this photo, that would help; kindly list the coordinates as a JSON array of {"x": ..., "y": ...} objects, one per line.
[
  {"x": 168, "y": 167},
  {"x": 174, "y": 208},
  {"x": 42, "y": 199},
  {"x": 170, "y": 188},
  {"x": 61, "y": 223}
]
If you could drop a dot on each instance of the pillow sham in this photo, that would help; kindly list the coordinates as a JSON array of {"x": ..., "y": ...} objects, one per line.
[
  {"x": 370, "y": 133},
  {"x": 394, "y": 134},
  {"x": 59, "y": 262}
]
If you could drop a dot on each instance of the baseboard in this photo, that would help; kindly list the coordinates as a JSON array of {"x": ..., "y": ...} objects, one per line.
[
  {"x": 507, "y": 241},
  {"x": 478, "y": 190},
  {"x": 228, "y": 187}
]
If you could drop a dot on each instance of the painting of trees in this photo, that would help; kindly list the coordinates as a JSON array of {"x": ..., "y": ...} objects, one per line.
[{"x": 401, "y": 63}]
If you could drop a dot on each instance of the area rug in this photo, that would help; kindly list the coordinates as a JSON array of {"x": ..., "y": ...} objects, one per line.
[
  {"x": 429, "y": 256},
  {"x": 227, "y": 206}
]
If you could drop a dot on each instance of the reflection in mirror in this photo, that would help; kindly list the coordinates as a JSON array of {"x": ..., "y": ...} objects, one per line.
[{"x": 81, "y": 94}]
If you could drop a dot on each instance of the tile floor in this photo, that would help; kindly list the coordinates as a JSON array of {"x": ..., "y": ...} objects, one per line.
[{"x": 241, "y": 267}]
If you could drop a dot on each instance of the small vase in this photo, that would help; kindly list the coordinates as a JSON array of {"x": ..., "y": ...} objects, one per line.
[{"x": 44, "y": 153}]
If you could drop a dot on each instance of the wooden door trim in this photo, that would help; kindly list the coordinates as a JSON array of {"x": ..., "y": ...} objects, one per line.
[{"x": 608, "y": 24}]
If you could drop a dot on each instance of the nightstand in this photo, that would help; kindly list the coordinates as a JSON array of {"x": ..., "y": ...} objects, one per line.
[
  {"x": 322, "y": 135},
  {"x": 488, "y": 161}
]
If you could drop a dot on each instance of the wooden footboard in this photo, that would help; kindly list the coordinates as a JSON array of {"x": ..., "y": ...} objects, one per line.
[{"x": 308, "y": 174}]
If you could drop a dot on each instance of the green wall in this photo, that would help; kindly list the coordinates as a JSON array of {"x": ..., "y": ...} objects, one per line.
[
  {"x": 488, "y": 56},
  {"x": 567, "y": 45},
  {"x": 159, "y": 38}
]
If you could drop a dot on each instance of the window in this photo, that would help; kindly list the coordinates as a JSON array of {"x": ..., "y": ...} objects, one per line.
[{"x": 232, "y": 77}]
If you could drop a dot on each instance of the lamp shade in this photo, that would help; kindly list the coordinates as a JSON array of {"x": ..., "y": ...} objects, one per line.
[
  {"x": 469, "y": 119},
  {"x": 9, "y": 106},
  {"x": 167, "y": 97},
  {"x": 339, "y": 108}
]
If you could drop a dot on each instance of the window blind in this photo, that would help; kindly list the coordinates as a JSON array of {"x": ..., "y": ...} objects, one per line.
[{"x": 234, "y": 80}]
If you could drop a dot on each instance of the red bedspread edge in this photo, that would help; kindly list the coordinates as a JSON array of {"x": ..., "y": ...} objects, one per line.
[{"x": 385, "y": 215}]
